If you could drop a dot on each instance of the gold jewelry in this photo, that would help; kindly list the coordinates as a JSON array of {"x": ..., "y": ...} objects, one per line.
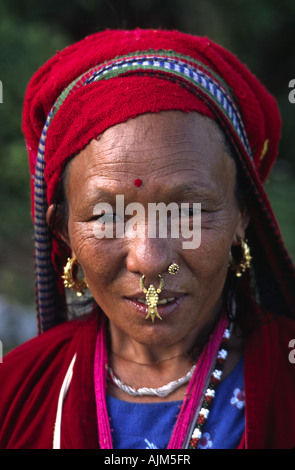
[
  {"x": 70, "y": 282},
  {"x": 152, "y": 298},
  {"x": 173, "y": 269},
  {"x": 245, "y": 263}
]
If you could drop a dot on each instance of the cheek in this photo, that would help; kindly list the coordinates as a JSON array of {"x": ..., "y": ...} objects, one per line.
[
  {"x": 99, "y": 258},
  {"x": 81, "y": 239},
  {"x": 217, "y": 235},
  {"x": 209, "y": 262}
]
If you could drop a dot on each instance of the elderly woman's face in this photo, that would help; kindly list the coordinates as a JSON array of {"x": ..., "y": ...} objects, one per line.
[{"x": 180, "y": 158}]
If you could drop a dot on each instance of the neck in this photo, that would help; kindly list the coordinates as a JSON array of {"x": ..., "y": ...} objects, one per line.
[
  {"x": 138, "y": 363},
  {"x": 123, "y": 347},
  {"x": 153, "y": 373}
]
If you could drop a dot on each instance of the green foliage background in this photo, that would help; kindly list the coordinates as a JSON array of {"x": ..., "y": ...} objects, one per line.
[{"x": 261, "y": 33}]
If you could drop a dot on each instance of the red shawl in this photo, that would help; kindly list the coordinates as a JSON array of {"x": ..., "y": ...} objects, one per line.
[{"x": 32, "y": 377}]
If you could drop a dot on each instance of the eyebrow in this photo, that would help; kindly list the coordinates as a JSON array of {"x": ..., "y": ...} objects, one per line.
[
  {"x": 97, "y": 195},
  {"x": 177, "y": 190},
  {"x": 190, "y": 188}
]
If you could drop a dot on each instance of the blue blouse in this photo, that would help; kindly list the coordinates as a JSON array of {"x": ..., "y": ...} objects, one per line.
[{"x": 150, "y": 425}]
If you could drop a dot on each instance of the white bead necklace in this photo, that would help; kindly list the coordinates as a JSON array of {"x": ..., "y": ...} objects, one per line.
[{"x": 163, "y": 391}]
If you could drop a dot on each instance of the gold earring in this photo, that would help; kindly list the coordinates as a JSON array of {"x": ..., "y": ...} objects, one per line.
[
  {"x": 173, "y": 269},
  {"x": 245, "y": 263},
  {"x": 70, "y": 282},
  {"x": 152, "y": 298}
]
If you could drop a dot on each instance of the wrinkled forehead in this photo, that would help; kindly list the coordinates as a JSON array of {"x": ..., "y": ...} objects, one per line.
[
  {"x": 169, "y": 136},
  {"x": 167, "y": 151},
  {"x": 165, "y": 127}
]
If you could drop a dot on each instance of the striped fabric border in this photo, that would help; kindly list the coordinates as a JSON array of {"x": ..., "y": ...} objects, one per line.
[
  {"x": 45, "y": 274},
  {"x": 186, "y": 69},
  {"x": 182, "y": 69}
]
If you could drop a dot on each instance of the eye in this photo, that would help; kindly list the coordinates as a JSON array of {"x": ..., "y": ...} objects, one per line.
[
  {"x": 108, "y": 218},
  {"x": 190, "y": 211},
  {"x": 108, "y": 226}
]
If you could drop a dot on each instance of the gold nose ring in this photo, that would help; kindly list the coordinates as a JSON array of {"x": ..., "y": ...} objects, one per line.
[{"x": 152, "y": 298}]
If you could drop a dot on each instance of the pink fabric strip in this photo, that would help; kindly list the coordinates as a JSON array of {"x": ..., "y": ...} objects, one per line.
[
  {"x": 196, "y": 385},
  {"x": 190, "y": 403},
  {"x": 100, "y": 385}
]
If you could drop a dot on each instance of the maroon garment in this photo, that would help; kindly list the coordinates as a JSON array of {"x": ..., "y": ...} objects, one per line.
[{"x": 31, "y": 377}]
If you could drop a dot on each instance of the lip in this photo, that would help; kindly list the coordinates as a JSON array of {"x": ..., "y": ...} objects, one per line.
[
  {"x": 164, "y": 310},
  {"x": 164, "y": 294}
]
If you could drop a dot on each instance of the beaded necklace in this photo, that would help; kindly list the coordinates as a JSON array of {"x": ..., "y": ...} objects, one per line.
[{"x": 215, "y": 379}]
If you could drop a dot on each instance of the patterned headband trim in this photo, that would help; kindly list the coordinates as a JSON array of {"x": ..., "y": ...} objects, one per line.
[
  {"x": 200, "y": 80},
  {"x": 186, "y": 68}
]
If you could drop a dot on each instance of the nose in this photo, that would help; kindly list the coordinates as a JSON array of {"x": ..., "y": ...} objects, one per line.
[{"x": 149, "y": 256}]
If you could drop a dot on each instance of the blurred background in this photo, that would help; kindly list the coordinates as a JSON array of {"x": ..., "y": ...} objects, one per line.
[{"x": 261, "y": 34}]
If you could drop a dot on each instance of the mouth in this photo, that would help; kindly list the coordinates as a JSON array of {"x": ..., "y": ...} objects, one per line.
[
  {"x": 168, "y": 302},
  {"x": 160, "y": 302}
]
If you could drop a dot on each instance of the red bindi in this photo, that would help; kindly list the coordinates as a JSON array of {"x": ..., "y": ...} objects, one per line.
[{"x": 138, "y": 182}]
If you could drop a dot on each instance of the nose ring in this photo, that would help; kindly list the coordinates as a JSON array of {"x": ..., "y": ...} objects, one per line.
[
  {"x": 173, "y": 269},
  {"x": 152, "y": 298}
]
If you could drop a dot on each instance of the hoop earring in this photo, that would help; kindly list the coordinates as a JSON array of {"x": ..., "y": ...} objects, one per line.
[
  {"x": 240, "y": 267},
  {"x": 70, "y": 282}
]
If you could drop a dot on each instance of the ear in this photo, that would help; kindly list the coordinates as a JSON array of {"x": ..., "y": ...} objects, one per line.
[
  {"x": 57, "y": 224},
  {"x": 243, "y": 222}
]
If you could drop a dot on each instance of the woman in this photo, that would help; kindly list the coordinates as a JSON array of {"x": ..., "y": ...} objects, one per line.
[{"x": 186, "y": 346}]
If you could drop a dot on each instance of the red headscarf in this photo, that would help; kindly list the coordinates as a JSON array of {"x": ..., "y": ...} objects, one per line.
[{"x": 113, "y": 76}]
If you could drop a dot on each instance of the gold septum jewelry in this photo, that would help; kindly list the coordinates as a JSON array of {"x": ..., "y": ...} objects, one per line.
[
  {"x": 152, "y": 298},
  {"x": 173, "y": 269},
  {"x": 70, "y": 282},
  {"x": 240, "y": 267}
]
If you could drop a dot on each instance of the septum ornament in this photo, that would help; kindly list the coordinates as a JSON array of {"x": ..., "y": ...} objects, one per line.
[
  {"x": 152, "y": 298},
  {"x": 151, "y": 294}
]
